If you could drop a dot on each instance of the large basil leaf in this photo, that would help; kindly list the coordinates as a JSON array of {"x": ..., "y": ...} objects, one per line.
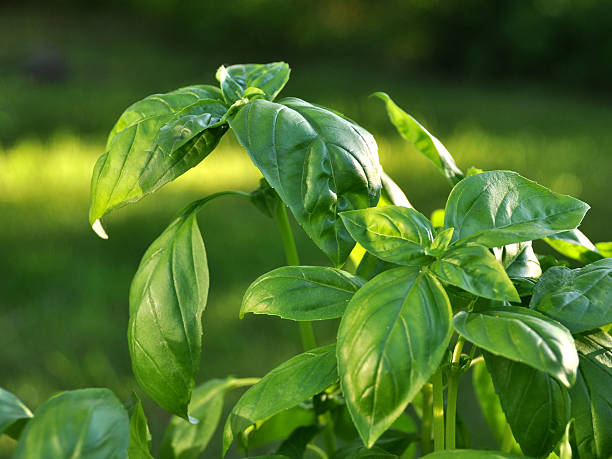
[
  {"x": 423, "y": 141},
  {"x": 500, "y": 207},
  {"x": 581, "y": 299},
  {"x": 392, "y": 233},
  {"x": 140, "y": 437},
  {"x": 471, "y": 454},
  {"x": 86, "y": 423},
  {"x": 167, "y": 298},
  {"x": 156, "y": 140},
  {"x": 284, "y": 387},
  {"x": 269, "y": 78},
  {"x": 184, "y": 440},
  {"x": 473, "y": 268},
  {"x": 537, "y": 406},
  {"x": 592, "y": 398},
  {"x": 522, "y": 335},
  {"x": 301, "y": 293},
  {"x": 319, "y": 163},
  {"x": 390, "y": 341},
  {"x": 12, "y": 412},
  {"x": 574, "y": 244}
]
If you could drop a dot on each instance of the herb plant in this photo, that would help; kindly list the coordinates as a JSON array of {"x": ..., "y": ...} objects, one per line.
[{"x": 420, "y": 300}]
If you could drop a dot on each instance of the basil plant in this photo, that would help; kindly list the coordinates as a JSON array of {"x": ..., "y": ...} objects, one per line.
[{"x": 419, "y": 301}]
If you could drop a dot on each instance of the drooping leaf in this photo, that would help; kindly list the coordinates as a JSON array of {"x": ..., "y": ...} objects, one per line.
[
  {"x": 423, "y": 141},
  {"x": 473, "y": 268},
  {"x": 301, "y": 293},
  {"x": 295, "y": 445},
  {"x": 140, "y": 437},
  {"x": 591, "y": 397},
  {"x": 390, "y": 341},
  {"x": 471, "y": 454},
  {"x": 278, "y": 427},
  {"x": 522, "y": 335},
  {"x": 490, "y": 405},
  {"x": 319, "y": 163},
  {"x": 392, "y": 193},
  {"x": 392, "y": 233},
  {"x": 184, "y": 440},
  {"x": 167, "y": 298},
  {"x": 85, "y": 423},
  {"x": 155, "y": 140},
  {"x": 519, "y": 260},
  {"x": 284, "y": 387},
  {"x": 574, "y": 244},
  {"x": 269, "y": 78},
  {"x": 497, "y": 208},
  {"x": 581, "y": 299},
  {"x": 537, "y": 406},
  {"x": 13, "y": 413}
]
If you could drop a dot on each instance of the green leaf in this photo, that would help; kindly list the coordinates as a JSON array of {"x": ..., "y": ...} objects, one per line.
[
  {"x": 184, "y": 440},
  {"x": 295, "y": 445},
  {"x": 280, "y": 426},
  {"x": 537, "y": 406},
  {"x": 392, "y": 193},
  {"x": 423, "y": 141},
  {"x": 497, "y": 208},
  {"x": 236, "y": 79},
  {"x": 581, "y": 299},
  {"x": 390, "y": 341},
  {"x": 490, "y": 405},
  {"x": 591, "y": 397},
  {"x": 605, "y": 248},
  {"x": 473, "y": 268},
  {"x": 574, "y": 244},
  {"x": 284, "y": 387},
  {"x": 471, "y": 454},
  {"x": 319, "y": 163},
  {"x": 392, "y": 233},
  {"x": 13, "y": 413},
  {"x": 441, "y": 241},
  {"x": 360, "y": 452},
  {"x": 519, "y": 260},
  {"x": 167, "y": 298},
  {"x": 140, "y": 437},
  {"x": 301, "y": 293},
  {"x": 522, "y": 335},
  {"x": 155, "y": 141},
  {"x": 86, "y": 423}
]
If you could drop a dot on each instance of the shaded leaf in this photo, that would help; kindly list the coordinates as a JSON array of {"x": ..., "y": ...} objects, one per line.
[
  {"x": 390, "y": 341},
  {"x": 12, "y": 412},
  {"x": 280, "y": 426},
  {"x": 471, "y": 454},
  {"x": 269, "y": 78},
  {"x": 295, "y": 445},
  {"x": 140, "y": 437},
  {"x": 519, "y": 260}
]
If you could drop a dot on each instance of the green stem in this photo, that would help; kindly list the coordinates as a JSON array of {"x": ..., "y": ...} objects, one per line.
[
  {"x": 427, "y": 392},
  {"x": 242, "y": 382},
  {"x": 317, "y": 450},
  {"x": 438, "y": 410},
  {"x": 306, "y": 331},
  {"x": 329, "y": 437},
  {"x": 453, "y": 389}
]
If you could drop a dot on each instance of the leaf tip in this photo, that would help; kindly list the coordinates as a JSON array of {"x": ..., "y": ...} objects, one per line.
[
  {"x": 381, "y": 95},
  {"x": 99, "y": 229}
]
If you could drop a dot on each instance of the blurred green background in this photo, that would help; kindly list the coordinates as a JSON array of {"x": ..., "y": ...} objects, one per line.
[{"x": 504, "y": 84}]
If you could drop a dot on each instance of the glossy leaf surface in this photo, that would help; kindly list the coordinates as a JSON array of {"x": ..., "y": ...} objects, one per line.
[
  {"x": 140, "y": 437},
  {"x": 269, "y": 78},
  {"x": 12, "y": 410},
  {"x": 155, "y": 140},
  {"x": 591, "y": 397},
  {"x": 497, "y": 208},
  {"x": 390, "y": 341},
  {"x": 86, "y": 423},
  {"x": 184, "y": 440},
  {"x": 319, "y": 163},
  {"x": 392, "y": 233},
  {"x": 167, "y": 298},
  {"x": 411, "y": 130},
  {"x": 574, "y": 244},
  {"x": 537, "y": 406},
  {"x": 284, "y": 387},
  {"x": 522, "y": 335},
  {"x": 581, "y": 299},
  {"x": 473, "y": 268},
  {"x": 301, "y": 293}
]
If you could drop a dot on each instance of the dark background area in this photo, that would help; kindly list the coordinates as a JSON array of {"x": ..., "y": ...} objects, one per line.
[{"x": 503, "y": 84}]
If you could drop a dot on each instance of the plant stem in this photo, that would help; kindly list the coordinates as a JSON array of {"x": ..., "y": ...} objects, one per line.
[
  {"x": 317, "y": 450},
  {"x": 306, "y": 332},
  {"x": 453, "y": 388},
  {"x": 242, "y": 382},
  {"x": 438, "y": 410},
  {"x": 427, "y": 392},
  {"x": 329, "y": 437}
]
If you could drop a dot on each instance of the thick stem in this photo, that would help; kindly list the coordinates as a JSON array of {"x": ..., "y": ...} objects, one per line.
[
  {"x": 306, "y": 331},
  {"x": 427, "y": 392},
  {"x": 438, "y": 410},
  {"x": 453, "y": 389}
]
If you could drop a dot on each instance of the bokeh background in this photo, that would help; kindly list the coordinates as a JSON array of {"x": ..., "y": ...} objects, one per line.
[{"x": 504, "y": 84}]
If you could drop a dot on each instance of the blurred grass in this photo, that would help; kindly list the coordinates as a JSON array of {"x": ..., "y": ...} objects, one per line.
[{"x": 63, "y": 292}]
